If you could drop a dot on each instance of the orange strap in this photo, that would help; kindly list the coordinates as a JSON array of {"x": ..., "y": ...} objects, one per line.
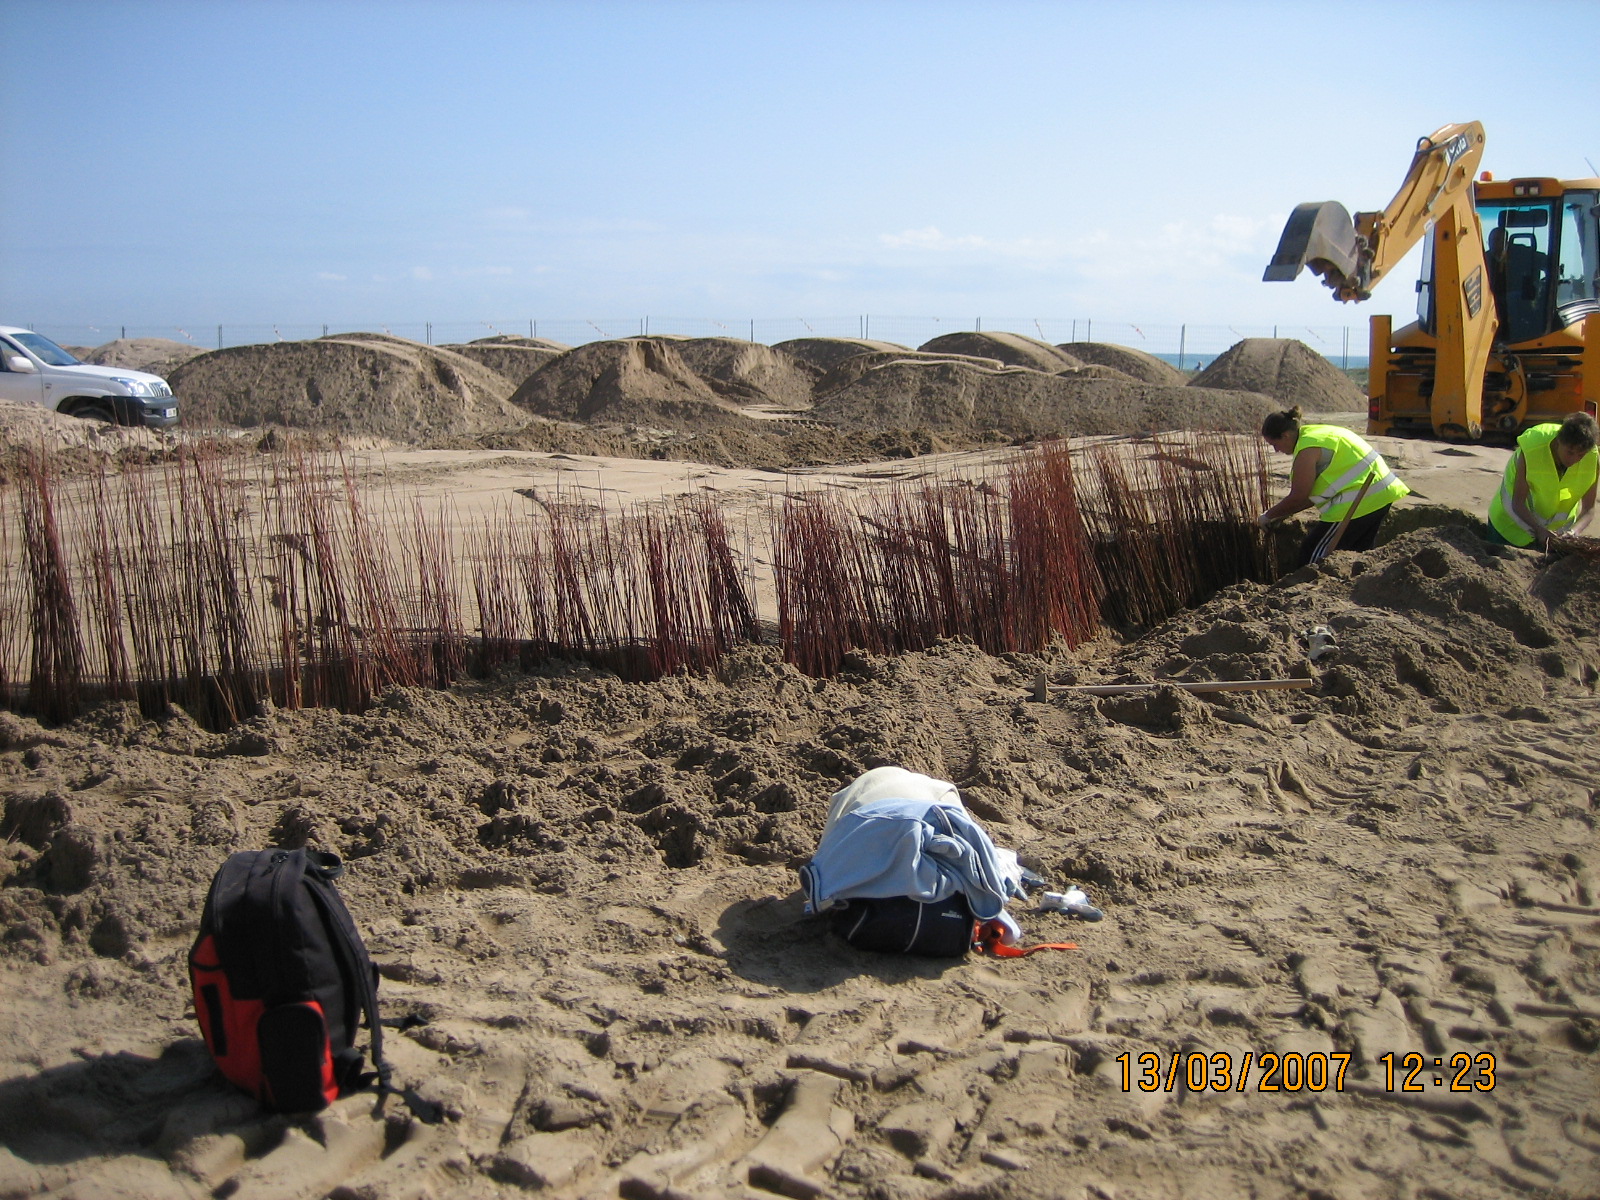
[{"x": 987, "y": 937}]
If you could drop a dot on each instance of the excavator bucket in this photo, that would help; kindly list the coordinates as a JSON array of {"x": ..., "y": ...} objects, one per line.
[{"x": 1319, "y": 235}]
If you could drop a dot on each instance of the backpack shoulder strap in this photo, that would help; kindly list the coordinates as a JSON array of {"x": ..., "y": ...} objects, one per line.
[{"x": 346, "y": 942}]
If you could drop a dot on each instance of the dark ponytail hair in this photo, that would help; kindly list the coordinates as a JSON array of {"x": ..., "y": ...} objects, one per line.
[
  {"x": 1279, "y": 423},
  {"x": 1579, "y": 430}
]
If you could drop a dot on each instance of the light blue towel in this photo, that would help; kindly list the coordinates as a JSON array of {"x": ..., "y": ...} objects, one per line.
[{"x": 917, "y": 848}]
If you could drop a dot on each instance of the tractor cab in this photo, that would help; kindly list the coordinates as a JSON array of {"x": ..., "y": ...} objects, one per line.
[{"x": 1542, "y": 249}]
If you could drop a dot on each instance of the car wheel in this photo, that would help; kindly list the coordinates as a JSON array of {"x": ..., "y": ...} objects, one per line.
[{"x": 96, "y": 412}]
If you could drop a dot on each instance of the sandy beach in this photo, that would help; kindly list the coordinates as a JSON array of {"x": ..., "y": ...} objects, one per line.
[{"x": 1351, "y": 943}]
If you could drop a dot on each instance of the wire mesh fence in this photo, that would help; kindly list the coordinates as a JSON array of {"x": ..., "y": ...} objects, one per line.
[{"x": 1184, "y": 345}]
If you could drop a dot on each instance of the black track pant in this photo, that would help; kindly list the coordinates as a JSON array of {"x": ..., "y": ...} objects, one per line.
[{"x": 1360, "y": 534}]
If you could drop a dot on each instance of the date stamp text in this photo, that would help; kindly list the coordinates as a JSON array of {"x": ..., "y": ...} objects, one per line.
[{"x": 1292, "y": 1071}]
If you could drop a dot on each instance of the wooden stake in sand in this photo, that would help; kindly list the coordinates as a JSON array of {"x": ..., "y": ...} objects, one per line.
[{"x": 1344, "y": 522}]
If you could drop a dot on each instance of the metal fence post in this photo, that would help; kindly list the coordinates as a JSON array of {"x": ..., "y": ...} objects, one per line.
[
  {"x": 219, "y": 337},
  {"x": 1183, "y": 332},
  {"x": 979, "y": 325},
  {"x": 428, "y": 326}
]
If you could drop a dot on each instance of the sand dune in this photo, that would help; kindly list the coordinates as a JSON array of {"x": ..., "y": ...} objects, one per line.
[{"x": 581, "y": 893}]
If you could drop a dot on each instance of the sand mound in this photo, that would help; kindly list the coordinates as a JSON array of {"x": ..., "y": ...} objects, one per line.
[
  {"x": 158, "y": 356},
  {"x": 35, "y": 427},
  {"x": 641, "y": 381},
  {"x": 515, "y": 358},
  {"x": 747, "y": 372},
  {"x": 1436, "y": 621},
  {"x": 819, "y": 355},
  {"x": 965, "y": 395},
  {"x": 348, "y": 384},
  {"x": 582, "y": 901},
  {"x": 1012, "y": 349},
  {"x": 849, "y": 370},
  {"x": 1286, "y": 370},
  {"x": 516, "y": 339},
  {"x": 1137, "y": 364}
]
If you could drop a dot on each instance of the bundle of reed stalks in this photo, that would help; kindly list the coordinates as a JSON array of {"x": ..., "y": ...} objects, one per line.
[
  {"x": 228, "y": 583},
  {"x": 223, "y": 583},
  {"x": 1583, "y": 547}
]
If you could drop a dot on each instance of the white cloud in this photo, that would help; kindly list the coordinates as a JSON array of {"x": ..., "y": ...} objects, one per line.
[
  {"x": 929, "y": 237},
  {"x": 934, "y": 240},
  {"x": 1245, "y": 230},
  {"x": 421, "y": 273},
  {"x": 331, "y": 277}
]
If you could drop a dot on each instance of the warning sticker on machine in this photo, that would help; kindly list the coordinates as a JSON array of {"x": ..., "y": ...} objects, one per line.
[{"x": 1472, "y": 291}]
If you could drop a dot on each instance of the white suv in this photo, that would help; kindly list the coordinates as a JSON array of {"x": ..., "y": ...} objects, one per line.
[{"x": 35, "y": 370}]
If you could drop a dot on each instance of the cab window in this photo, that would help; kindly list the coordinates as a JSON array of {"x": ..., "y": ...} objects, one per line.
[{"x": 1517, "y": 245}]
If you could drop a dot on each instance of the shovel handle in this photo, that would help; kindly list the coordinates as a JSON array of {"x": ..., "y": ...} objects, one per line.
[{"x": 1344, "y": 522}]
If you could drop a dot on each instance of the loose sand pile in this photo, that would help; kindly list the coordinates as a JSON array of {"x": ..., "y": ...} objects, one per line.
[
  {"x": 369, "y": 384},
  {"x": 629, "y": 381},
  {"x": 514, "y": 357},
  {"x": 516, "y": 339},
  {"x": 819, "y": 355},
  {"x": 747, "y": 373},
  {"x": 694, "y": 398},
  {"x": 1012, "y": 349},
  {"x": 1286, "y": 370},
  {"x": 33, "y": 427},
  {"x": 856, "y": 367},
  {"x": 581, "y": 896},
  {"x": 905, "y": 392},
  {"x": 158, "y": 356},
  {"x": 1138, "y": 364}
]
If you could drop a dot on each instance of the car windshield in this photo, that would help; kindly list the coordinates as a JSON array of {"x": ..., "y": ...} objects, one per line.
[{"x": 45, "y": 350}]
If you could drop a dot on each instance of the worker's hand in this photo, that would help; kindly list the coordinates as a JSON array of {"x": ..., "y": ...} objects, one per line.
[{"x": 1264, "y": 521}]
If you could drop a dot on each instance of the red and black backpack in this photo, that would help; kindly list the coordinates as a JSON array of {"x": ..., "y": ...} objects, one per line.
[{"x": 282, "y": 981}]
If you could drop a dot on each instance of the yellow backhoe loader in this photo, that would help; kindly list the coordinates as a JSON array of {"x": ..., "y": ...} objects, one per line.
[{"x": 1508, "y": 307}]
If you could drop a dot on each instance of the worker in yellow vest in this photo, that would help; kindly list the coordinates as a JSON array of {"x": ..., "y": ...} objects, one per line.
[
  {"x": 1331, "y": 465},
  {"x": 1549, "y": 484}
]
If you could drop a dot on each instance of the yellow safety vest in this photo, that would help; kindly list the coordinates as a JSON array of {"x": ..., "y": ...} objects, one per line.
[
  {"x": 1554, "y": 495},
  {"x": 1353, "y": 461}
]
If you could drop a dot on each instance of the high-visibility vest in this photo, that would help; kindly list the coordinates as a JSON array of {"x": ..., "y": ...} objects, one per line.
[
  {"x": 1352, "y": 463},
  {"x": 1553, "y": 495}
]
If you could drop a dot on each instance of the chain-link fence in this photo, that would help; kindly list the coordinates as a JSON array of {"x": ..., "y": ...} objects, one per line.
[{"x": 1184, "y": 345}]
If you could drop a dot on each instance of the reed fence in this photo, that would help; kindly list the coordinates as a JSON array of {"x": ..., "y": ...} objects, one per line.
[{"x": 226, "y": 584}]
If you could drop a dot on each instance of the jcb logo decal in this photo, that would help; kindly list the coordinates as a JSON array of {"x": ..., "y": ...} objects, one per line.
[{"x": 1472, "y": 291}]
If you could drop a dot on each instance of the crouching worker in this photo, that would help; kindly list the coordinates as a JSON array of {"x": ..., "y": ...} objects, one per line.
[
  {"x": 1331, "y": 466},
  {"x": 902, "y": 867},
  {"x": 1549, "y": 484}
]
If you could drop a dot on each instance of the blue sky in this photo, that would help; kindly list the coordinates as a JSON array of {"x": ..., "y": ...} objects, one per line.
[{"x": 360, "y": 163}]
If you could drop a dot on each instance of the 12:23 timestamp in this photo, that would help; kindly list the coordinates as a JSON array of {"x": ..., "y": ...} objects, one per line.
[{"x": 1469, "y": 1072}]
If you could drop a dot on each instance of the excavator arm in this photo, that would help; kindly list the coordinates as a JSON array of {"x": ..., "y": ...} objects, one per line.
[{"x": 1352, "y": 254}]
